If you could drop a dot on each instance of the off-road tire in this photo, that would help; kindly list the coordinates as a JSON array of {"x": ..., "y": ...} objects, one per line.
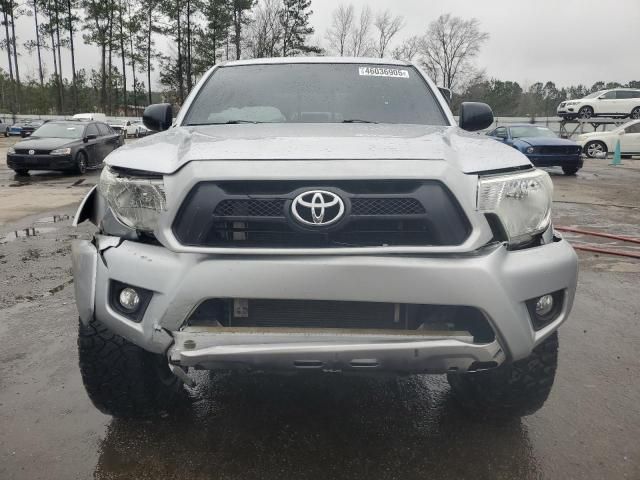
[
  {"x": 585, "y": 113},
  {"x": 512, "y": 390},
  {"x": 570, "y": 170},
  {"x": 122, "y": 379}
]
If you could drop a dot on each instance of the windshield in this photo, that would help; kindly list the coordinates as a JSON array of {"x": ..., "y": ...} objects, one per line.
[
  {"x": 59, "y": 130},
  {"x": 315, "y": 93},
  {"x": 531, "y": 131},
  {"x": 595, "y": 94}
]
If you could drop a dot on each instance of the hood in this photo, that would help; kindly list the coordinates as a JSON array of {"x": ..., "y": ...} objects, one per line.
[
  {"x": 168, "y": 151},
  {"x": 547, "y": 141},
  {"x": 45, "y": 143}
]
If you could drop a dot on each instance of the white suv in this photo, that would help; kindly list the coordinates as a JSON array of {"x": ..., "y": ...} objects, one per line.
[{"x": 618, "y": 102}]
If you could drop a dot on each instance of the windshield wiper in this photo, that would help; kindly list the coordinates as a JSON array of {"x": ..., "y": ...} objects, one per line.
[
  {"x": 229, "y": 122},
  {"x": 357, "y": 120}
]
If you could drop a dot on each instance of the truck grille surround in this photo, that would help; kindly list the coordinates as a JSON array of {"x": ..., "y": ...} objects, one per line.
[{"x": 377, "y": 213}]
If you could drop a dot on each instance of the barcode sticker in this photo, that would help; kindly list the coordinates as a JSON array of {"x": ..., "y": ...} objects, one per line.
[{"x": 383, "y": 72}]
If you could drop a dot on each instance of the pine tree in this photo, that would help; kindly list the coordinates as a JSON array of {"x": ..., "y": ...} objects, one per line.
[{"x": 294, "y": 19}]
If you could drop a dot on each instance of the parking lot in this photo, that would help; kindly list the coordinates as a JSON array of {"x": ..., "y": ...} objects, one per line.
[{"x": 320, "y": 427}]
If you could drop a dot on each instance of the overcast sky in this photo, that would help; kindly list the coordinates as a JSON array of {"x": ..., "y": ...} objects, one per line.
[{"x": 566, "y": 41}]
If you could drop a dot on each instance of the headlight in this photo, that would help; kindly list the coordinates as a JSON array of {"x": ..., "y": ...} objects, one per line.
[
  {"x": 11, "y": 151},
  {"x": 571, "y": 103},
  {"x": 522, "y": 202},
  {"x": 531, "y": 150},
  {"x": 135, "y": 201},
  {"x": 61, "y": 151}
]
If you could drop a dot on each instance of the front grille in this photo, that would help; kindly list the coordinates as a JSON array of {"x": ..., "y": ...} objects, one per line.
[
  {"x": 25, "y": 151},
  {"x": 340, "y": 315},
  {"x": 378, "y": 213},
  {"x": 386, "y": 206},
  {"x": 560, "y": 150},
  {"x": 250, "y": 208}
]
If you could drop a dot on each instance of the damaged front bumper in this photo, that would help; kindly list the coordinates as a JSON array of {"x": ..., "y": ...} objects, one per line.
[{"x": 495, "y": 280}]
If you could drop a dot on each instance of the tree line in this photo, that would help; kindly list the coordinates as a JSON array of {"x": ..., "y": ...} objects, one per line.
[{"x": 181, "y": 39}]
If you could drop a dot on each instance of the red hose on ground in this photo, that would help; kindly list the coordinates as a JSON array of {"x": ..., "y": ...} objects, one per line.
[
  {"x": 606, "y": 251},
  {"x": 598, "y": 234}
]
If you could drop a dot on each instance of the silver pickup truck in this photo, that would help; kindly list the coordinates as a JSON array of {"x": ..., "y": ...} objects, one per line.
[{"x": 320, "y": 214}]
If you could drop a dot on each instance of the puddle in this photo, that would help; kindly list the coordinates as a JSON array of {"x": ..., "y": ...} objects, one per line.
[
  {"x": 54, "y": 219},
  {"x": 25, "y": 233},
  {"x": 38, "y": 228}
]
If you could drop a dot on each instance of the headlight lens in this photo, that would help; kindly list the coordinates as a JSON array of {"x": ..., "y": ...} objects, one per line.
[
  {"x": 531, "y": 150},
  {"x": 61, "y": 151},
  {"x": 11, "y": 151},
  {"x": 522, "y": 202},
  {"x": 135, "y": 201}
]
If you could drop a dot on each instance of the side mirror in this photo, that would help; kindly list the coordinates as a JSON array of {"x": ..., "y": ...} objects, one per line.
[
  {"x": 475, "y": 116},
  {"x": 158, "y": 117},
  {"x": 91, "y": 136},
  {"x": 447, "y": 94}
]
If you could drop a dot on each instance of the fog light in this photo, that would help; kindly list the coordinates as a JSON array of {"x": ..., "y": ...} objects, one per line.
[
  {"x": 544, "y": 305},
  {"x": 130, "y": 300}
]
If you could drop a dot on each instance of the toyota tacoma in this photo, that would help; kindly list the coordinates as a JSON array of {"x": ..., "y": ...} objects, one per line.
[{"x": 320, "y": 214}]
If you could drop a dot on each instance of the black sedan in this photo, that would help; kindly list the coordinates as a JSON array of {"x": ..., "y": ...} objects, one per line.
[
  {"x": 31, "y": 126},
  {"x": 64, "y": 145},
  {"x": 542, "y": 147}
]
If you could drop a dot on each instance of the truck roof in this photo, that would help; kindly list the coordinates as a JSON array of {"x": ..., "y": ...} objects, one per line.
[{"x": 283, "y": 60}]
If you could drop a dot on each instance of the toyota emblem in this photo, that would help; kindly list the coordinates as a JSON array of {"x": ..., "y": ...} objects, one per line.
[
  {"x": 317, "y": 208},
  {"x": 32, "y": 152}
]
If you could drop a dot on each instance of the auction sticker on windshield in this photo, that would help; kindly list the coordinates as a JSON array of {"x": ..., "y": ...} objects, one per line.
[{"x": 383, "y": 72}]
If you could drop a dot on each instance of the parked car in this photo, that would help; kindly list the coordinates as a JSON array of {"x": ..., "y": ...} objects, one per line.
[
  {"x": 617, "y": 102},
  {"x": 379, "y": 238},
  {"x": 29, "y": 127},
  {"x": 126, "y": 127},
  {"x": 64, "y": 145},
  {"x": 142, "y": 130},
  {"x": 542, "y": 147},
  {"x": 15, "y": 130},
  {"x": 597, "y": 144},
  {"x": 99, "y": 117}
]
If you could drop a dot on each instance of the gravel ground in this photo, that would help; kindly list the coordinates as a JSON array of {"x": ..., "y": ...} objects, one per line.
[{"x": 320, "y": 427}]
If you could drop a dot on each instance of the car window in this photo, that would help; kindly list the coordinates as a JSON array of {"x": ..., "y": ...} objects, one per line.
[
  {"x": 92, "y": 130},
  {"x": 608, "y": 96},
  {"x": 635, "y": 128},
  {"x": 531, "y": 131},
  {"x": 501, "y": 132},
  {"x": 104, "y": 129},
  {"x": 316, "y": 93},
  {"x": 60, "y": 130}
]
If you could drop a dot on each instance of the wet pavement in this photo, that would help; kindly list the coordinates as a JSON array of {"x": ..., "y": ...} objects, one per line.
[{"x": 319, "y": 427}]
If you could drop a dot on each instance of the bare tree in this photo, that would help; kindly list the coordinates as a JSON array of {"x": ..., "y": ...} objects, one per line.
[
  {"x": 388, "y": 26},
  {"x": 265, "y": 30},
  {"x": 449, "y": 48},
  {"x": 341, "y": 28},
  {"x": 409, "y": 49},
  {"x": 360, "y": 34}
]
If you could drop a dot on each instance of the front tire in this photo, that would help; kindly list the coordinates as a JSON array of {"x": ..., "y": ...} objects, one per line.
[
  {"x": 512, "y": 390},
  {"x": 81, "y": 163},
  {"x": 570, "y": 170},
  {"x": 594, "y": 148},
  {"x": 22, "y": 172},
  {"x": 635, "y": 113},
  {"x": 585, "y": 113},
  {"x": 122, "y": 379}
]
